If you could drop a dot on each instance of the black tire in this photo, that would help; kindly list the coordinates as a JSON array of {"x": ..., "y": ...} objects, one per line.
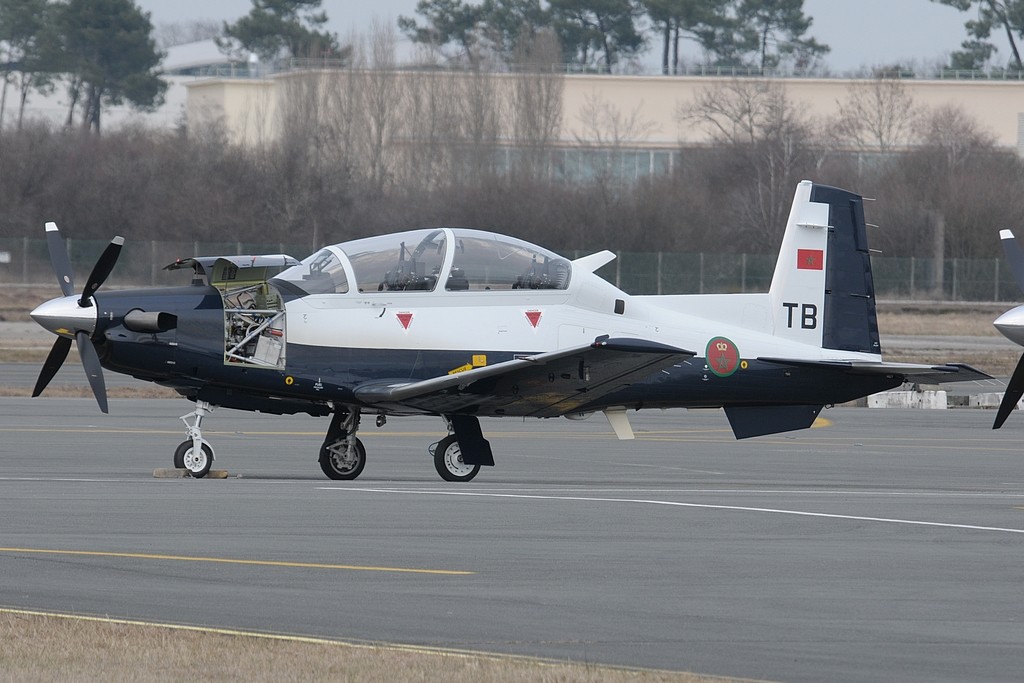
[
  {"x": 334, "y": 464},
  {"x": 198, "y": 467},
  {"x": 448, "y": 461}
]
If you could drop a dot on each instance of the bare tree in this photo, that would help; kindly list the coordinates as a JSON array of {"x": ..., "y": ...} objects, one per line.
[
  {"x": 535, "y": 106},
  {"x": 951, "y": 129},
  {"x": 428, "y": 124},
  {"x": 876, "y": 116},
  {"x": 297, "y": 158},
  {"x": 376, "y": 79},
  {"x": 603, "y": 125},
  {"x": 771, "y": 141},
  {"x": 481, "y": 116}
]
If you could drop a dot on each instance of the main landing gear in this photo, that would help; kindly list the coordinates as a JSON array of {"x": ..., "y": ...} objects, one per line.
[
  {"x": 448, "y": 460},
  {"x": 342, "y": 455},
  {"x": 457, "y": 457}
]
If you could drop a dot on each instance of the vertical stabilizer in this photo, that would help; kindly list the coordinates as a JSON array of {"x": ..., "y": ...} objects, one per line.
[{"x": 822, "y": 291}]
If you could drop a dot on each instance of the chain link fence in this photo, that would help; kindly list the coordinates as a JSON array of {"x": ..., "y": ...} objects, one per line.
[{"x": 27, "y": 261}]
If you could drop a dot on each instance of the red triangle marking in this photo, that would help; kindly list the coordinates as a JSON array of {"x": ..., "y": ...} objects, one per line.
[
  {"x": 405, "y": 319},
  {"x": 533, "y": 317}
]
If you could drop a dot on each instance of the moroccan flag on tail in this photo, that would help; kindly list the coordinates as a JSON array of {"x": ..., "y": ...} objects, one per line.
[{"x": 810, "y": 259}]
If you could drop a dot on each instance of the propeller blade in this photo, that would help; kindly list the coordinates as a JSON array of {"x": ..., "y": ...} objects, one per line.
[
  {"x": 93, "y": 370},
  {"x": 59, "y": 259},
  {"x": 1014, "y": 390},
  {"x": 101, "y": 270},
  {"x": 58, "y": 353}
]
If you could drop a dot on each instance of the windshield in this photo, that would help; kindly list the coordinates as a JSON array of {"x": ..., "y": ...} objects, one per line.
[{"x": 321, "y": 273}]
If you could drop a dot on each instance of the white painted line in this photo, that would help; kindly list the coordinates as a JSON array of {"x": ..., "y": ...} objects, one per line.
[
  {"x": 702, "y": 491},
  {"x": 703, "y": 506}
]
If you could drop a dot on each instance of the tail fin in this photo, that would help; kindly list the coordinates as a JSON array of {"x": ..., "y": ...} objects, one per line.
[{"x": 822, "y": 292}]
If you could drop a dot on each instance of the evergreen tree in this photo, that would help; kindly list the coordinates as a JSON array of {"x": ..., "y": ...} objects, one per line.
[
  {"x": 1007, "y": 15},
  {"x": 447, "y": 21},
  {"x": 512, "y": 25},
  {"x": 780, "y": 23},
  {"x": 497, "y": 26},
  {"x": 27, "y": 44},
  {"x": 281, "y": 27},
  {"x": 109, "y": 54},
  {"x": 590, "y": 30},
  {"x": 699, "y": 20}
]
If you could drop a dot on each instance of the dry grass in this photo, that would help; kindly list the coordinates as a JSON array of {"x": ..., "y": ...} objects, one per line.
[
  {"x": 83, "y": 391},
  {"x": 945, "y": 320},
  {"x": 17, "y": 300},
  {"x": 51, "y": 648}
]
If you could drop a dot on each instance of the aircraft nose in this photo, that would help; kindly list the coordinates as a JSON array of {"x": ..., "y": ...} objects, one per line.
[
  {"x": 1011, "y": 324},
  {"x": 63, "y": 316}
]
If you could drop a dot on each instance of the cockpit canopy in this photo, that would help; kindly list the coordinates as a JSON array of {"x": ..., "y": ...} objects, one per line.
[{"x": 457, "y": 259}]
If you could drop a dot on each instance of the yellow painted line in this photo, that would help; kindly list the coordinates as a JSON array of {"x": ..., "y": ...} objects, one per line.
[{"x": 224, "y": 560}]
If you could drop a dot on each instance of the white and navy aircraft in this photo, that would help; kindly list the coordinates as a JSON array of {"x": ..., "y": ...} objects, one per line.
[
  {"x": 465, "y": 324},
  {"x": 1011, "y": 324}
]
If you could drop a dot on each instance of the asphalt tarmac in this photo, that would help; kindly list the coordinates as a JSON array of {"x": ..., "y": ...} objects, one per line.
[{"x": 882, "y": 545}]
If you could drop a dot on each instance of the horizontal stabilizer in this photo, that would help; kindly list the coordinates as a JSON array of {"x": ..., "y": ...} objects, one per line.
[
  {"x": 911, "y": 372},
  {"x": 748, "y": 421}
]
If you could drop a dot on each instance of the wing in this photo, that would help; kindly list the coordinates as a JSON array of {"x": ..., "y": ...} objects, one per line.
[
  {"x": 911, "y": 372},
  {"x": 542, "y": 385}
]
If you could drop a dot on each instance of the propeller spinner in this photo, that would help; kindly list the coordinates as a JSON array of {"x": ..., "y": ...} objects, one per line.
[
  {"x": 74, "y": 317},
  {"x": 1011, "y": 324}
]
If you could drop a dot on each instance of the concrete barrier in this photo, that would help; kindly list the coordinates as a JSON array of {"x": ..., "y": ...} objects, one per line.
[
  {"x": 930, "y": 400},
  {"x": 990, "y": 400},
  {"x": 936, "y": 400}
]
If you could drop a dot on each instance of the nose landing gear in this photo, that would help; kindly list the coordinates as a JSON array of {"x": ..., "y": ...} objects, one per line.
[{"x": 195, "y": 454}]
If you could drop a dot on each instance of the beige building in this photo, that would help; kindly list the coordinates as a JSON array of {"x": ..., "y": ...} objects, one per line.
[{"x": 638, "y": 112}]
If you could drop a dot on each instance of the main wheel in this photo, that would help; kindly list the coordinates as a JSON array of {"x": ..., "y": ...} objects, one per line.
[
  {"x": 336, "y": 463},
  {"x": 197, "y": 464},
  {"x": 448, "y": 461}
]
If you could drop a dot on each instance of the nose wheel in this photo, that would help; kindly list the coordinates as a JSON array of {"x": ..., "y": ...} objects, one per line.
[
  {"x": 197, "y": 462},
  {"x": 195, "y": 454}
]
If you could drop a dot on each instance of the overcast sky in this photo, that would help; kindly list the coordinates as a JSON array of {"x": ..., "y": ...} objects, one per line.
[{"x": 860, "y": 32}]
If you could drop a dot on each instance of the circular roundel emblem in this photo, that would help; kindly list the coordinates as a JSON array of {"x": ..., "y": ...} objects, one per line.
[{"x": 722, "y": 356}]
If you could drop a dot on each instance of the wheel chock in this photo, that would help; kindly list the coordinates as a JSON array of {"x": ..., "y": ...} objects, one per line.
[{"x": 181, "y": 473}]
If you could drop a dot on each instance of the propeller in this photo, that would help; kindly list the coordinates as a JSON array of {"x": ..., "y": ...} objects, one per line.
[
  {"x": 1011, "y": 324},
  {"x": 69, "y": 315}
]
